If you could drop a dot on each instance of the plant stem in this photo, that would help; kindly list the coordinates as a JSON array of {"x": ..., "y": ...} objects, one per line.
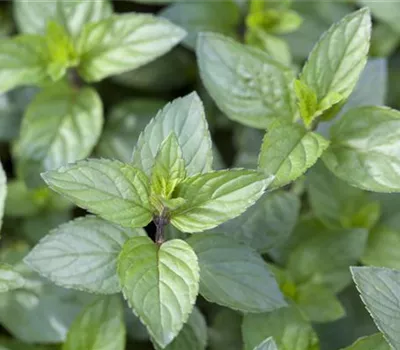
[
  {"x": 160, "y": 221},
  {"x": 74, "y": 79}
]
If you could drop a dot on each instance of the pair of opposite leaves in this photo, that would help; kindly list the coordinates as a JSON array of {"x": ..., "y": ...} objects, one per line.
[{"x": 171, "y": 167}]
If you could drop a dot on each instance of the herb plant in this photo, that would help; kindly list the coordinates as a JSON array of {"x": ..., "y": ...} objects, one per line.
[{"x": 199, "y": 175}]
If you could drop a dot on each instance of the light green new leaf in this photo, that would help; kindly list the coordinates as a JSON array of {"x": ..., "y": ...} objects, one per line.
[
  {"x": 124, "y": 124},
  {"x": 113, "y": 190},
  {"x": 193, "y": 335},
  {"x": 288, "y": 150},
  {"x": 82, "y": 254},
  {"x": 9, "y": 278},
  {"x": 60, "y": 49},
  {"x": 267, "y": 224},
  {"x": 336, "y": 203},
  {"x": 337, "y": 60},
  {"x": 169, "y": 167},
  {"x": 161, "y": 283},
  {"x": 364, "y": 149},
  {"x": 60, "y": 126},
  {"x": 213, "y": 16},
  {"x": 267, "y": 344},
  {"x": 3, "y": 193},
  {"x": 216, "y": 197},
  {"x": 186, "y": 118},
  {"x": 245, "y": 83},
  {"x": 307, "y": 101},
  {"x": 100, "y": 326},
  {"x": 286, "y": 325},
  {"x": 371, "y": 342},
  {"x": 318, "y": 303},
  {"x": 383, "y": 247},
  {"x": 23, "y": 61},
  {"x": 234, "y": 275},
  {"x": 380, "y": 292},
  {"x": 323, "y": 256},
  {"x": 123, "y": 42}
]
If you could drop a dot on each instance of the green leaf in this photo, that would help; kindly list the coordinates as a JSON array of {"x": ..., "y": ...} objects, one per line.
[
  {"x": 185, "y": 117},
  {"x": 336, "y": 203},
  {"x": 383, "y": 247},
  {"x": 60, "y": 126},
  {"x": 371, "y": 90},
  {"x": 169, "y": 167},
  {"x": 337, "y": 60},
  {"x": 288, "y": 150},
  {"x": 120, "y": 43},
  {"x": 195, "y": 17},
  {"x": 318, "y": 303},
  {"x": 225, "y": 330},
  {"x": 32, "y": 17},
  {"x": 82, "y": 254},
  {"x": 371, "y": 342},
  {"x": 99, "y": 326},
  {"x": 124, "y": 124},
  {"x": 73, "y": 14},
  {"x": 9, "y": 278},
  {"x": 385, "y": 11},
  {"x": 267, "y": 344},
  {"x": 209, "y": 195},
  {"x": 245, "y": 83},
  {"x": 113, "y": 190},
  {"x": 173, "y": 71},
  {"x": 193, "y": 335},
  {"x": 267, "y": 224},
  {"x": 23, "y": 61},
  {"x": 286, "y": 325},
  {"x": 39, "y": 312},
  {"x": 161, "y": 283},
  {"x": 379, "y": 289},
  {"x": 234, "y": 275},
  {"x": 3, "y": 193},
  {"x": 323, "y": 256},
  {"x": 363, "y": 149},
  {"x": 307, "y": 101}
]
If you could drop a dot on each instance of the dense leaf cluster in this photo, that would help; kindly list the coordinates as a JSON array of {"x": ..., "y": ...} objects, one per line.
[{"x": 199, "y": 175}]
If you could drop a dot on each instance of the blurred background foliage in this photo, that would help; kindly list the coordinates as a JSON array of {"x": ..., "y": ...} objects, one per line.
[{"x": 41, "y": 313}]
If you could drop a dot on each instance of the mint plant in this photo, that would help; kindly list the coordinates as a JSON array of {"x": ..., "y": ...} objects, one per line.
[{"x": 199, "y": 175}]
